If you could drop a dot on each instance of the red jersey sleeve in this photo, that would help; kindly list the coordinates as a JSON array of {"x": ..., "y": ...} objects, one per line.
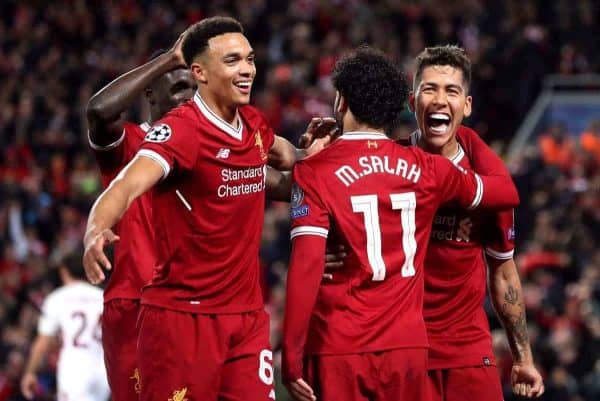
[
  {"x": 113, "y": 157},
  {"x": 310, "y": 225},
  {"x": 483, "y": 159},
  {"x": 173, "y": 143},
  {"x": 308, "y": 213},
  {"x": 499, "y": 237},
  {"x": 472, "y": 190}
]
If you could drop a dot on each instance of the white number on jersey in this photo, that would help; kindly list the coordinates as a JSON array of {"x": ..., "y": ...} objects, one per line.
[{"x": 368, "y": 205}]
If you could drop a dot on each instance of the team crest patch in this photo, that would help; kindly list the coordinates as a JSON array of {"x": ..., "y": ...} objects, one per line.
[{"x": 159, "y": 133}]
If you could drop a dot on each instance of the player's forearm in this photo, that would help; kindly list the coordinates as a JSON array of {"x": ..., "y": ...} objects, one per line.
[
  {"x": 108, "y": 209},
  {"x": 507, "y": 298},
  {"x": 112, "y": 100},
  {"x": 283, "y": 155},
  {"x": 304, "y": 276},
  {"x": 39, "y": 349},
  {"x": 499, "y": 192},
  {"x": 279, "y": 185}
]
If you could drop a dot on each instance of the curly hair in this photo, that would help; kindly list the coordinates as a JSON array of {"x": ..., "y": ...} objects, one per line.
[
  {"x": 451, "y": 55},
  {"x": 198, "y": 35},
  {"x": 372, "y": 85}
]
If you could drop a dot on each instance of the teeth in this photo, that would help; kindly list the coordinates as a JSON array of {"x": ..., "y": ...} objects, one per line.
[
  {"x": 439, "y": 116},
  {"x": 244, "y": 84}
]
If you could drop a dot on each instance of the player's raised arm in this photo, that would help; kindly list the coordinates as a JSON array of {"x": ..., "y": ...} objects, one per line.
[
  {"x": 135, "y": 179},
  {"x": 483, "y": 159},
  {"x": 473, "y": 190},
  {"x": 104, "y": 109}
]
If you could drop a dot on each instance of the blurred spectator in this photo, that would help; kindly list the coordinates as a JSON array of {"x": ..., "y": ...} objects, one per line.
[{"x": 54, "y": 55}]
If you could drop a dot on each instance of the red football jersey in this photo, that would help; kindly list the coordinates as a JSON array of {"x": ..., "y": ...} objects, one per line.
[
  {"x": 209, "y": 208},
  {"x": 373, "y": 191},
  {"x": 134, "y": 256},
  {"x": 455, "y": 272}
]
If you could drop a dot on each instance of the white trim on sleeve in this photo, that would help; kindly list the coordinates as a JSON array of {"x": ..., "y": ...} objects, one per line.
[
  {"x": 157, "y": 158},
  {"x": 478, "y": 193},
  {"x": 308, "y": 230},
  {"x": 107, "y": 147},
  {"x": 500, "y": 255}
]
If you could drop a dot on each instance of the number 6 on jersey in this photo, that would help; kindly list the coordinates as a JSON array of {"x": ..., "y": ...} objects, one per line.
[{"x": 368, "y": 205}]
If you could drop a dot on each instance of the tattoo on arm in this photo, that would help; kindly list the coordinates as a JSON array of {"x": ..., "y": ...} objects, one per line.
[{"x": 513, "y": 317}]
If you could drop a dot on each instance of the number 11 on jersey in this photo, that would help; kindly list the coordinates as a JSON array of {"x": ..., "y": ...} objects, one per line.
[{"x": 368, "y": 205}]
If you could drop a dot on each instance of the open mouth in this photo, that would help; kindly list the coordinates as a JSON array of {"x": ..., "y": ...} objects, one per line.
[
  {"x": 438, "y": 123},
  {"x": 244, "y": 86}
]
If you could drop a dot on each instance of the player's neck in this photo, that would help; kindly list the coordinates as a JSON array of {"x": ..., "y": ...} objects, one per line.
[
  {"x": 448, "y": 150},
  {"x": 226, "y": 113},
  {"x": 351, "y": 125}
]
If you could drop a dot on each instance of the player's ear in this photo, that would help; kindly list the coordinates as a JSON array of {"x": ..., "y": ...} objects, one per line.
[
  {"x": 411, "y": 102},
  {"x": 198, "y": 70},
  {"x": 341, "y": 104},
  {"x": 468, "y": 106}
]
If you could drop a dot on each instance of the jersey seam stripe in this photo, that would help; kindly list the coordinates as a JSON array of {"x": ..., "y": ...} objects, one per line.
[
  {"x": 218, "y": 121},
  {"x": 157, "y": 158},
  {"x": 499, "y": 255},
  {"x": 107, "y": 147},
  {"x": 478, "y": 193},
  {"x": 309, "y": 230}
]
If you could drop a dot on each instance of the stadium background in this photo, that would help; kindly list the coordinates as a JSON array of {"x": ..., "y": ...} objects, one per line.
[{"x": 54, "y": 55}]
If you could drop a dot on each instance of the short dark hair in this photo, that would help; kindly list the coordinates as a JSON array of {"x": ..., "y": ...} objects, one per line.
[
  {"x": 72, "y": 262},
  {"x": 451, "y": 55},
  {"x": 372, "y": 85},
  {"x": 198, "y": 35}
]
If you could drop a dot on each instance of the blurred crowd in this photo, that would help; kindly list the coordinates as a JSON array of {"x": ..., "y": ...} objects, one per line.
[{"x": 55, "y": 55}]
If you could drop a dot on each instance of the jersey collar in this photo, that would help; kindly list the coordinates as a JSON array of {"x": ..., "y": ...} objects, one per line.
[
  {"x": 361, "y": 135},
  {"x": 218, "y": 121}
]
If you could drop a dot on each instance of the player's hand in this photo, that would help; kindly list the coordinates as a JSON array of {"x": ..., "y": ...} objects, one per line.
[
  {"x": 29, "y": 385},
  {"x": 301, "y": 391},
  {"x": 526, "y": 381},
  {"x": 177, "y": 52},
  {"x": 334, "y": 260},
  {"x": 94, "y": 258},
  {"x": 319, "y": 127}
]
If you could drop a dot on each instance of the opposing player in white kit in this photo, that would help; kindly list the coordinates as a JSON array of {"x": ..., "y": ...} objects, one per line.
[{"x": 73, "y": 310}]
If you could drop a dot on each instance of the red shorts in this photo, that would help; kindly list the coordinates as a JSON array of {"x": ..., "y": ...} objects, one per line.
[
  {"x": 399, "y": 374},
  {"x": 119, "y": 339},
  {"x": 193, "y": 357},
  {"x": 459, "y": 384}
]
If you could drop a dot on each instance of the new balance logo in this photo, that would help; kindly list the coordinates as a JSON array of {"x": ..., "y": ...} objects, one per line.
[{"x": 223, "y": 153}]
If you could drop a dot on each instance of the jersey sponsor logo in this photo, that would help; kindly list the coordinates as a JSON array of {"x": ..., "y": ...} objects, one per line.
[
  {"x": 258, "y": 142},
  {"x": 179, "y": 395},
  {"x": 242, "y": 181},
  {"x": 451, "y": 228},
  {"x": 136, "y": 378},
  {"x": 159, "y": 133},
  {"x": 487, "y": 361},
  {"x": 223, "y": 153}
]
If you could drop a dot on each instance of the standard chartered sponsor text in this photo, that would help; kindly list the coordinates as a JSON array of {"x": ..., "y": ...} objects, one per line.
[{"x": 229, "y": 176}]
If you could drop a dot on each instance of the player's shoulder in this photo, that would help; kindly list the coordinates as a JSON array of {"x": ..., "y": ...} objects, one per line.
[
  {"x": 178, "y": 120},
  {"x": 253, "y": 117}
]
